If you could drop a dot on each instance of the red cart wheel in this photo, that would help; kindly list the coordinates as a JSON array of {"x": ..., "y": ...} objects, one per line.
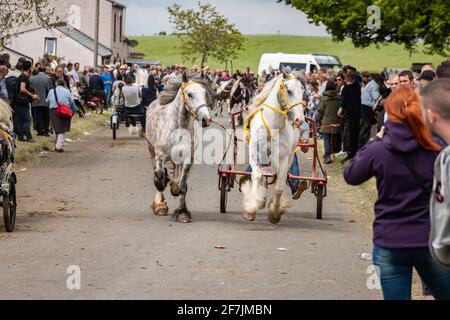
[
  {"x": 223, "y": 194},
  {"x": 320, "y": 192}
]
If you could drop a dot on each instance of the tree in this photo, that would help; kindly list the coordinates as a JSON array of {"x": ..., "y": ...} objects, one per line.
[
  {"x": 406, "y": 22},
  {"x": 204, "y": 33},
  {"x": 16, "y": 14}
]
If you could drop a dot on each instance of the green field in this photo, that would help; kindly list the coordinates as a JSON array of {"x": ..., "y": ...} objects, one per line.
[{"x": 371, "y": 58}]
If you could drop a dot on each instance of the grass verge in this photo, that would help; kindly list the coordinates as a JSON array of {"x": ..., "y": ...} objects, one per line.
[{"x": 26, "y": 152}]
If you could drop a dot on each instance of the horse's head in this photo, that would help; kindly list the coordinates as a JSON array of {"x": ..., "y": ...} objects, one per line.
[
  {"x": 195, "y": 100},
  {"x": 292, "y": 95}
]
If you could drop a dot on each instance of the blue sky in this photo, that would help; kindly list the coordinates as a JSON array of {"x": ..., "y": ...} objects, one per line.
[{"x": 146, "y": 17}]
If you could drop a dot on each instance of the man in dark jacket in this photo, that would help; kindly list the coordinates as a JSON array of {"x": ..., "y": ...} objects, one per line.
[
  {"x": 59, "y": 74},
  {"x": 25, "y": 95},
  {"x": 351, "y": 110},
  {"x": 96, "y": 85},
  {"x": 39, "y": 108},
  {"x": 328, "y": 116}
]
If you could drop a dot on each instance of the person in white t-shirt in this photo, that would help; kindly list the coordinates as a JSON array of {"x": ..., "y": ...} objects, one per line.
[{"x": 133, "y": 97}]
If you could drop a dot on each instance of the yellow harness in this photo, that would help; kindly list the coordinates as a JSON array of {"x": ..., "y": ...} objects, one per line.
[
  {"x": 284, "y": 103},
  {"x": 186, "y": 102},
  {"x": 5, "y": 134}
]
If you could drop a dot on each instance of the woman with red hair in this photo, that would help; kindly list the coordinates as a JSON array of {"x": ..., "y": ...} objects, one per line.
[{"x": 401, "y": 159}]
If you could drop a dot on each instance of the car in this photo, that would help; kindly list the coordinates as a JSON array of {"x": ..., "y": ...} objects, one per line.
[{"x": 306, "y": 62}]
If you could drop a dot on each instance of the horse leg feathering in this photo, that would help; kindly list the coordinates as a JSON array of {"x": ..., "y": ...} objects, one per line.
[
  {"x": 182, "y": 214},
  {"x": 255, "y": 194},
  {"x": 159, "y": 205}
]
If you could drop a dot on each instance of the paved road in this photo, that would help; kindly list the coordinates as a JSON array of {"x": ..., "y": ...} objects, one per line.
[{"x": 90, "y": 207}]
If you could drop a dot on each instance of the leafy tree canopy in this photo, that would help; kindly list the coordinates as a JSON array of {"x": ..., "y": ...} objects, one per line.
[
  {"x": 205, "y": 32},
  {"x": 405, "y": 22}
]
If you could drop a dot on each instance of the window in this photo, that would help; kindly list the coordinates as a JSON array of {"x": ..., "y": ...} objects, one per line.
[
  {"x": 50, "y": 46},
  {"x": 121, "y": 24},
  {"x": 294, "y": 66},
  {"x": 115, "y": 27}
]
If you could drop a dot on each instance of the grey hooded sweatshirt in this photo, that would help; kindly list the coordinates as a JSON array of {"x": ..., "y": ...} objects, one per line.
[{"x": 440, "y": 210}]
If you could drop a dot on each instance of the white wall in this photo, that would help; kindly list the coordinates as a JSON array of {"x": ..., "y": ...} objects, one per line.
[
  {"x": 87, "y": 10},
  {"x": 32, "y": 44}
]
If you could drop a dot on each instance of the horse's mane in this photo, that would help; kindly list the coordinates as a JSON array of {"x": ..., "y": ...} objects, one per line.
[
  {"x": 235, "y": 86},
  {"x": 260, "y": 98},
  {"x": 172, "y": 87},
  {"x": 228, "y": 85},
  {"x": 6, "y": 115}
]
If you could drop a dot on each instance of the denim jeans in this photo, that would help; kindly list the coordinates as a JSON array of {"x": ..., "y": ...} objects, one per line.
[
  {"x": 294, "y": 170},
  {"x": 107, "y": 101},
  {"x": 396, "y": 269},
  {"x": 327, "y": 144},
  {"x": 332, "y": 143},
  {"x": 24, "y": 122}
]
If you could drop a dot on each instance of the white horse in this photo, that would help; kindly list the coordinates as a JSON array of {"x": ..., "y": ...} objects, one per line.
[
  {"x": 6, "y": 115},
  {"x": 272, "y": 129},
  {"x": 170, "y": 139}
]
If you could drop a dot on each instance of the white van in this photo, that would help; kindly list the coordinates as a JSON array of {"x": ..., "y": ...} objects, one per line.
[{"x": 306, "y": 62}]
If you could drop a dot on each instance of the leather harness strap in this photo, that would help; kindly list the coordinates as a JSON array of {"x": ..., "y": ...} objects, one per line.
[
  {"x": 187, "y": 103},
  {"x": 285, "y": 108}
]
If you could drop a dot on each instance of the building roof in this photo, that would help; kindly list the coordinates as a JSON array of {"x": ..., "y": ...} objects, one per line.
[
  {"x": 143, "y": 62},
  {"x": 117, "y": 4},
  {"x": 135, "y": 51},
  {"x": 18, "y": 53},
  {"x": 84, "y": 40}
]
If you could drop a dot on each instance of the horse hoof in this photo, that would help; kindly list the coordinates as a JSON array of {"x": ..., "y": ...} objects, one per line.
[
  {"x": 174, "y": 189},
  {"x": 275, "y": 213},
  {"x": 274, "y": 219},
  {"x": 183, "y": 217},
  {"x": 249, "y": 216},
  {"x": 161, "y": 209}
]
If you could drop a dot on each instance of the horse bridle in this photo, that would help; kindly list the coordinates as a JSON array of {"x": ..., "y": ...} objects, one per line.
[
  {"x": 187, "y": 103},
  {"x": 286, "y": 106}
]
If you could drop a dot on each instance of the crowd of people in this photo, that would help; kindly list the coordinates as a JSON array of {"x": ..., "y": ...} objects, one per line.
[
  {"x": 394, "y": 126},
  {"x": 30, "y": 90},
  {"x": 410, "y": 115}
]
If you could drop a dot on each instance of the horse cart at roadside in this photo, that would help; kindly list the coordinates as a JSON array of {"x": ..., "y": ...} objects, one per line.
[
  {"x": 8, "y": 179},
  {"x": 317, "y": 181},
  {"x": 121, "y": 116}
]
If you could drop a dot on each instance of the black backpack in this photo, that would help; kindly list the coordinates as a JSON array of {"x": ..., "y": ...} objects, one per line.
[{"x": 11, "y": 87}]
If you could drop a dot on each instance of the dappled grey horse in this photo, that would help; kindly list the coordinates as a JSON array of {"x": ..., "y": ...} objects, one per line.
[{"x": 170, "y": 139}]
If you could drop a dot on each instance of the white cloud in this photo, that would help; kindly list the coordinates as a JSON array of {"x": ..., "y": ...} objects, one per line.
[{"x": 250, "y": 16}]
